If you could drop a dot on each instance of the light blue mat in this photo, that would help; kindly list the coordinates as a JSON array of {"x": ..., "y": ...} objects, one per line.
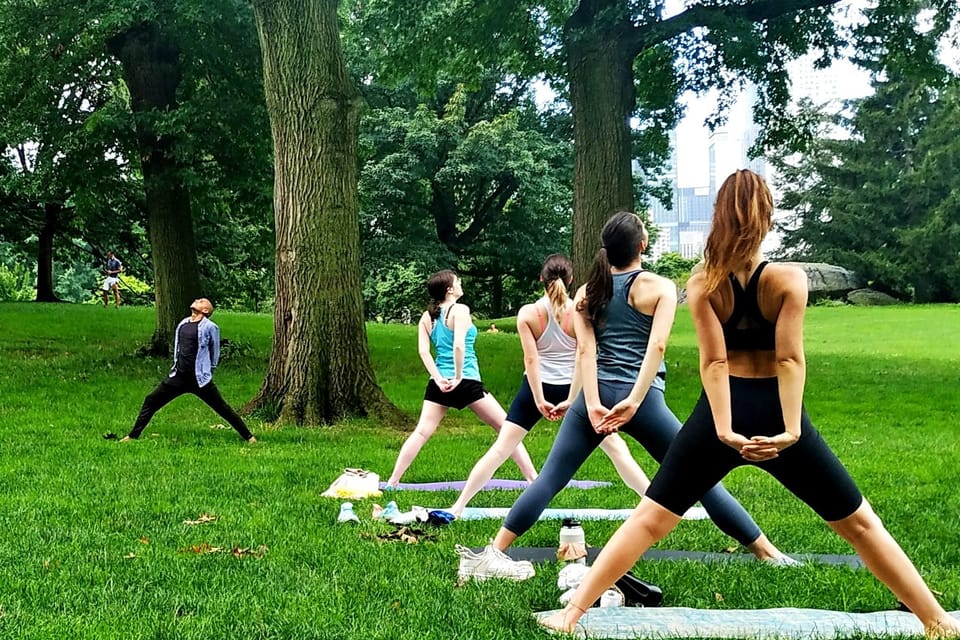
[
  {"x": 749, "y": 624},
  {"x": 499, "y": 513}
]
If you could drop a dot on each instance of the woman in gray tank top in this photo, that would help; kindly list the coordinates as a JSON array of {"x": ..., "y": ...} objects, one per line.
[
  {"x": 624, "y": 316},
  {"x": 548, "y": 386}
]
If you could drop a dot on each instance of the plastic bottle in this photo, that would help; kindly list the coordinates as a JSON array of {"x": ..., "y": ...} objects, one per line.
[
  {"x": 572, "y": 539},
  {"x": 611, "y": 598}
]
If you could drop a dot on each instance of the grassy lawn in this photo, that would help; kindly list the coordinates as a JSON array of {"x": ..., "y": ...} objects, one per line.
[{"x": 93, "y": 544}]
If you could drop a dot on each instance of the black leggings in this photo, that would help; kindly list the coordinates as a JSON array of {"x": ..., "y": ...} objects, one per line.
[
  {"x": 172, "y": 388},
  {"x": 697, "y": 459},
  {"x": 654, "y": 426}
]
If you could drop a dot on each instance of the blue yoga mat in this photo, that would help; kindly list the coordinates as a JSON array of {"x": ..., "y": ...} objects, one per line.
[{"x": 752, "y": 624}]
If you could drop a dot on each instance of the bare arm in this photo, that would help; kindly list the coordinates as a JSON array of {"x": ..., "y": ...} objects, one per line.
[
  {"x": 791, "y": 364},
  {"x": 461, "y": 324},
  {"x": 423, "y": 347},
  {"x": 527, "y": 324},
  {"x": 714, "y": 369},
  {"x": 586, "y": 352}
]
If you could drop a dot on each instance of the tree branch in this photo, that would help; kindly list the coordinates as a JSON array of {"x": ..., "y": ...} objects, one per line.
[{"x": 652, "y": 34}]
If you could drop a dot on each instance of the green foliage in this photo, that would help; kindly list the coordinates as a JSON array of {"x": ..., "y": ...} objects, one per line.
[
  {"x": 16, "y": 283},
  {"x": 883, "y": 202},
  {"x": 674, "y": 266},
  {"x": 471, "y": 180}
]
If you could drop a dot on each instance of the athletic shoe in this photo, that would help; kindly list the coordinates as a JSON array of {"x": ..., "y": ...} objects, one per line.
[
  {"x": 491, "y": 563},
  {"x": 346, "y": 513}
]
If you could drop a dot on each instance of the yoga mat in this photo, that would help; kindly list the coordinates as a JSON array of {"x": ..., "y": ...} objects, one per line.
[
  {"x": 499, "y": 513},
  {"x": 549, "y": 554},
  {"x": 495, "y": 483},
  {"x": 752, "y": 624}
]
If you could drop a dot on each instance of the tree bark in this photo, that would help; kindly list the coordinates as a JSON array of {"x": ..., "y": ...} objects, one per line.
[
  {"x": 152, "y": 72},
  {"x": 45, "y": 239},
  {"x": 600, "y": 71},
  {"x": 319, "y": 367}
]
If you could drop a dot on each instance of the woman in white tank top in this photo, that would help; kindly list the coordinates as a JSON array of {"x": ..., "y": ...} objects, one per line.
[{"x": 549, "y": 385}]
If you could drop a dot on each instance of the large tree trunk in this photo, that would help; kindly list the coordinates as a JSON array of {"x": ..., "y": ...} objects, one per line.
[
  {"x": 600, "y": 70},
  {"x": 151, "y": 69},
  {"x": 45, "y": 253},
  {"x": 319, "y": 367}
]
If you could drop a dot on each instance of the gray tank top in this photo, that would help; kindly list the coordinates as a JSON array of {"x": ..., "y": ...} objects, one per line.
[{"x": 622, "y": 339}]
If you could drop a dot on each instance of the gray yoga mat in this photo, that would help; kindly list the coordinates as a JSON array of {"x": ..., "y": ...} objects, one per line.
[
  {"x": 549, "y": 554},
  {"x": 752, "y": 624},
  {"x": 493, "y": 484},
  {"x": 499, "y": 513}
]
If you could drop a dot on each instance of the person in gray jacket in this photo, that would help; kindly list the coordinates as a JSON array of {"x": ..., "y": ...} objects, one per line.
[{"x": 196, "y": 353}]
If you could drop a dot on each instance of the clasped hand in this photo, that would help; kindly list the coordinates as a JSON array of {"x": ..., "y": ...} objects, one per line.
[
  {"x": 758, "y": 448},
  {"x": 552, "y": 411},
  {"x": 445, "y": 385},
  {"x": 606, "y": 421}
]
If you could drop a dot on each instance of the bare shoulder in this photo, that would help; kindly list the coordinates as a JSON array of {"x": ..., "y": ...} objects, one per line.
[
  {"x": 695, "y": 285},
  {"x": 460, "y": 311},
  {"x": 527, "y": 313},
  {"x": 651, "y": 281},
  {"x": 786, "y": 277},
  {"x": 581, "y": 293}
]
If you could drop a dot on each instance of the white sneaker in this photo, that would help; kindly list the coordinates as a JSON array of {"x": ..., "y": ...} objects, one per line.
[{"x": 491, "y": 563}]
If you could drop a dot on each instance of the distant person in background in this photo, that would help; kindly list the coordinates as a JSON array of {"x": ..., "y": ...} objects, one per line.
[
  {"x": 196, "y": 354},
  {"x": 113, "y": 269}
]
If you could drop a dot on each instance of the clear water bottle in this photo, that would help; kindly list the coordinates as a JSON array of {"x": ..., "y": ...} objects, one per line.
[
  {"x": 572, "y": 541},
  {"x": 611, "y": 598}
]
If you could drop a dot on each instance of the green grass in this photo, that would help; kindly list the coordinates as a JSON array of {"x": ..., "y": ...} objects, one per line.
[{"x": 882, "y": 387}]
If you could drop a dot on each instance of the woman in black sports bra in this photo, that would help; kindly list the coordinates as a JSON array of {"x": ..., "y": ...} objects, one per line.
[{"x": 749, "y": 320}]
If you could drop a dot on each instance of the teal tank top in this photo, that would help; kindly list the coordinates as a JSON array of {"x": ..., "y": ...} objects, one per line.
[
  {"x": 442, "y": 338},
  {"x": 623, "y": 337}
]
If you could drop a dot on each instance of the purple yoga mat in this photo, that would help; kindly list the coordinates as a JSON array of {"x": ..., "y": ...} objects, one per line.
[{"x": 495, "y": 483}]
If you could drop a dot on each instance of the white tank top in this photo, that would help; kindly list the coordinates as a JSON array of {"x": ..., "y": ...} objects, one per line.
[{"x": 556, "y": 349}]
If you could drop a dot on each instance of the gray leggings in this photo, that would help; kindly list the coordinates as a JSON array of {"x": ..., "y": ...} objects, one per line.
[{"x": 654, "y": 426}]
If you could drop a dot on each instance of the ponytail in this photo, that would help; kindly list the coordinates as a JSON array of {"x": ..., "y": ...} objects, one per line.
[
  {"x": 557, "y": 294},
  {"x": 433, "y": 308},
  {"x": 599, "y": 289},
  {"x": 557, "y": 273}
]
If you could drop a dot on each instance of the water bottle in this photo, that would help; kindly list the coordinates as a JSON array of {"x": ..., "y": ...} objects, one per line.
[{"x": 571, "y": 535}]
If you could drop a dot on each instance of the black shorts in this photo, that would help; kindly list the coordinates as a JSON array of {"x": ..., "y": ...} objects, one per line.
[
  {"x": 465, "y": 394},
  {"x": 697, "y": 459},
  {"x": 523, "y": 410}
]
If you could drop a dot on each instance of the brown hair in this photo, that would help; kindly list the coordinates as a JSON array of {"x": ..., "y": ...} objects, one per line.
[
  {"x": 557, "y": 274},
  {"x": 620, "y": 242},
  {"x": 437, "y": 286},
  {"x": 741, "y": 219}
]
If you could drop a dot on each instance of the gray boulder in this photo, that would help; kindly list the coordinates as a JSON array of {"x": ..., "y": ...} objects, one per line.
[
  {"x": 827, "y": 280},
  {"x": 869, "y": 297}
]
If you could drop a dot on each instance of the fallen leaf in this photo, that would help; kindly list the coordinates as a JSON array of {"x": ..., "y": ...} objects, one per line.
[
  {"x": 219, "y": 426},
  {"x": 201, "y": 549},
  {"x": 718, "y": 597},
  {"x": 130, "y": 556},
  {"x": 203, "y": 519},
  {"x": 51, "y": 564},
  {"x": 243, "y": 552},
  {"x": 732, "y": 549},
  {"x": 143, "y": 540}
]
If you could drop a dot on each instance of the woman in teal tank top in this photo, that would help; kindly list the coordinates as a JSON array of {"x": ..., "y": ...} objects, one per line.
[{"x": 454, "y": 374}]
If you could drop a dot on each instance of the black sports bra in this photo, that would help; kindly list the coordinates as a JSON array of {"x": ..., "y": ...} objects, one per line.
[{"x": 747, "y": 329}]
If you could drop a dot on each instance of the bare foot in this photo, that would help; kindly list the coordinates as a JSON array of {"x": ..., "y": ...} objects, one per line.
[
  {"x": 251, "y": 440},
  {"x": 947, "y": 627},
  {"x": 563, "y": 621},
  {"x": 126, "y": 439}
]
